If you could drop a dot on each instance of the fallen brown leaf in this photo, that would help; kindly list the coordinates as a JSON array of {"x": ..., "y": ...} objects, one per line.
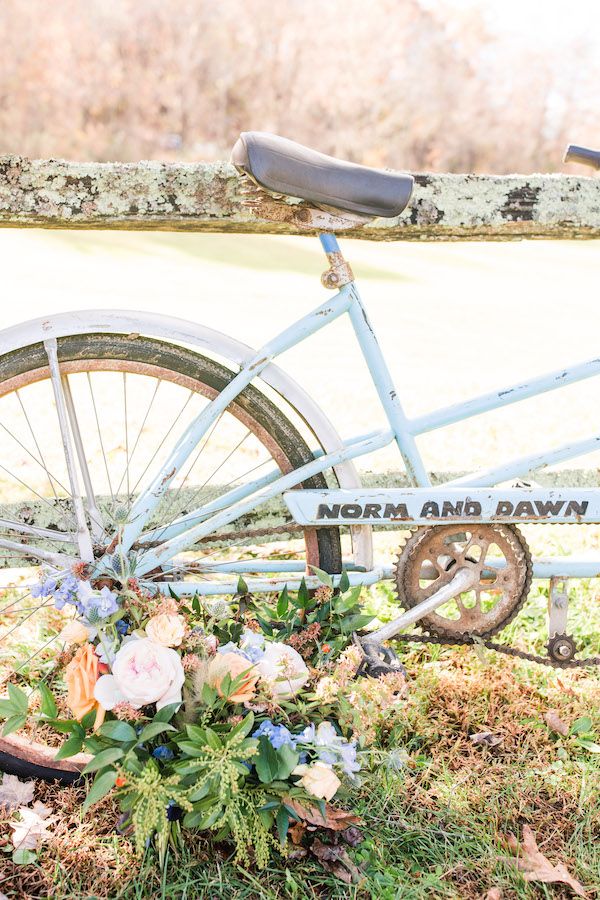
[
  {"x": 537, "y": 867},
  {"x": 297, "y": 832},
  {"x": 336, "y": 860},
  {"x": 487, "y": 738},
  {"x": 335, "y": 819},
  {"x": 555, "y": 723}
]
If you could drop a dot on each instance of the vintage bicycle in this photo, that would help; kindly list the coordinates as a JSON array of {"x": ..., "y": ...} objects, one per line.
[{"x": 142, "y": 446}]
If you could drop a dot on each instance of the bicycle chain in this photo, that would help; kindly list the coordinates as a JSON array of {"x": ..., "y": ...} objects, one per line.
[
  {"x": 499, "y": 648},
  {"x": 425, "y": 638}
]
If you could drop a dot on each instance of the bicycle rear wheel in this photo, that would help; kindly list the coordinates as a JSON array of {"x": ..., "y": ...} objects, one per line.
[{"x": 130, "y": 399}]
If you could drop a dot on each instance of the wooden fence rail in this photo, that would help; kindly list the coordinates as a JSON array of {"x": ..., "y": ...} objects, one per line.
[{"x": 208, "y": 197}]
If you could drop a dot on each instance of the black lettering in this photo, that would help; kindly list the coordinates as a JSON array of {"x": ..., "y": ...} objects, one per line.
[
  {"x": 393, "y": 511},
  {"x": 326, "y": 511},
  {"x": 351, "y": 511},
  {"x": 430, "y": 509},
  {"x": 451, "y": 509},
  {"x": 576, "y": 509},
  {"x": 524, "y": 508},
  {"x": 472, "y": 508},
  {"x": 504, "y": 508},
  {"x": 372, "y": 511},
  {"x": 549, "y": 507}
]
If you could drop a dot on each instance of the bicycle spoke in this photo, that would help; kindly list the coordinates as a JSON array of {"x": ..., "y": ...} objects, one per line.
[
  {"x": 83, "y": 535},
  {"x": 97, "y": 419}
]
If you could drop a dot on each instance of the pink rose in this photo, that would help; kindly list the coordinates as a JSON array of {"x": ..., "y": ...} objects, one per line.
[{"x": 143, "y": 672}]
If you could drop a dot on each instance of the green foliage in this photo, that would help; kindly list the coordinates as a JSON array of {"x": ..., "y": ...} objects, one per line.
[
  {"x": 334, "y": 614},
  {"x": 147, "y": 797}
]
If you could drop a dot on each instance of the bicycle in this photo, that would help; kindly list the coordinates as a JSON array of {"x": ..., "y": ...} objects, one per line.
[{"x": 141, "y": 447}]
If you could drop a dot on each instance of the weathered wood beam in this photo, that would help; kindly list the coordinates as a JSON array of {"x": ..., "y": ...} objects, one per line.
[{"x": 208, "y": 197}]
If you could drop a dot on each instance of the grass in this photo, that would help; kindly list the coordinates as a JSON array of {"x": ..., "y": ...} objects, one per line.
[{"x": 436, "y": 808}]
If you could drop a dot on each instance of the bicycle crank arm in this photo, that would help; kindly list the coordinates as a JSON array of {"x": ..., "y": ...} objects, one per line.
[{"x": 464, "y": 579}]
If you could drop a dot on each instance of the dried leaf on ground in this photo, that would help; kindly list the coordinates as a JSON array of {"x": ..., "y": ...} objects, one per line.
[
  {"x": 537, "y": 867},
  {"x": 494, "y": 894},
  {"x": 334, "y": 819},
  {"x": 353, "y": 836},
  {"x": 487, "y": 738},
  {"x": 336, "y": 860},
  {"x": 297, "y": 831},
  {"x": 31, "y": 829},
  {"x": 555, "y": 723},
  {"x": 15, "y": 793}
]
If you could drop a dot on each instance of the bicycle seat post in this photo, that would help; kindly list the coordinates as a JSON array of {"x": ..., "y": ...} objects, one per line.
[{"x": 339, "y": 272}]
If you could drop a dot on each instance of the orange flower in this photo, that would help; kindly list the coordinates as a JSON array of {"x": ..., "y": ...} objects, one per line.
[
  {"x": 81, "y": 676},
  {"x": 233, "y": 664}
]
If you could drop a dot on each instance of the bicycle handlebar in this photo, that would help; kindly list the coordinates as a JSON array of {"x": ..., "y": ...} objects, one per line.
[{"x": 582, "y": 155}]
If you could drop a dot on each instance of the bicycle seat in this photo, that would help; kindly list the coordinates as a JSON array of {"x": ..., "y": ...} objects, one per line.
[{"x": 285, "y": 167}]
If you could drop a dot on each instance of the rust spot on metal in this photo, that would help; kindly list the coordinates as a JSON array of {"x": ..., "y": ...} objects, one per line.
[{"x": 168, "y": 475}]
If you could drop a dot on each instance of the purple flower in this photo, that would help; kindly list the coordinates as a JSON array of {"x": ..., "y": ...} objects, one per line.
[{"x": 278, "y": 735}]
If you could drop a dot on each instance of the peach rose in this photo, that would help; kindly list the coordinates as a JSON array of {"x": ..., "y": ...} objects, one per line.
[
  {"x": 233, "y": 664},
  {"x": 81, "y": 676},
  {"x": 166, "y": 629},
  {"x": 74, "y": 632}
]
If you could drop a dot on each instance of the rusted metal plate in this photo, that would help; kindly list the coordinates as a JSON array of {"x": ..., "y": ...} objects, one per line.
[{"x": 213, "y": 197}]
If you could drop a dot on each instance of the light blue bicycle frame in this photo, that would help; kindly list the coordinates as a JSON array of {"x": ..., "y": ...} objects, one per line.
[{"x": 184, "y": 533}]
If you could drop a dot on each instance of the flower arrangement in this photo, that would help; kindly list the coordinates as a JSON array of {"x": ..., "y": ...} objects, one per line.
[{"x": 233, "y": 719}]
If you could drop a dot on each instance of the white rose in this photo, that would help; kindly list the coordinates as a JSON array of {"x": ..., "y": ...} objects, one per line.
[
  {"x": 165, "y": 629},
  {"x": 143, "y": 672},
  {"x": 318, "y": 779},
  {"x": 284, "y": 668}
]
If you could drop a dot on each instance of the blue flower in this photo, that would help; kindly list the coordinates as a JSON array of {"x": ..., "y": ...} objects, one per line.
[
  {"x": 43, "y": 588},
  {"x": 330, "y": 747},
  {"x": 163, "y": 753},
  {"x": 122, "y": 626},
  {"x": 278, "y": 735},
  {"x": 96, "y": 605}
]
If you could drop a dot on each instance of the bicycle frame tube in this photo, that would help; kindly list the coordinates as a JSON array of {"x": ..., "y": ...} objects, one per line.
[{"x": 199, "y": 523}]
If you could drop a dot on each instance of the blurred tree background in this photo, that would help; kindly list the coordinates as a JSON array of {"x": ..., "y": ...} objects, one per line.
[{"x": 417, "y": 84}]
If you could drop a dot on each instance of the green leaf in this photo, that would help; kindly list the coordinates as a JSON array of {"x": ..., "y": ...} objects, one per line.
[
  {"x": 154, "y": 729},
  {"x": 6, "y": 709},
  {"x": 283, "y": 603},
  {"x": 283, "y": 823},
  {"x": 244, "y": 727},
  {"x": 24, "y": 857},
  {"x": 209, "y": 694},
  {"x": 166, "y": 713},
  {"x": 48, "y": 703},
  {"x": 104, "y": 758},
  {"x": 323, "y": 576},
  {"x": 590, "y": 746},
  {"x": 303, "y": 600},
  {"x": 102, "y": 785},
  {"x": 88, "y": 720},
  {"x": 354, "y": 623},
  {"x": 63, "y": 726},
  {"x": 267, "y": 761},
  {"x": 344, "y": 582},
  {"x": 242, "y": 587},
  {"x": 18, "y": 698},
  {"x": 288, "y": 759},
  {"x": 118, "y": 731},
  {"x": 14, "y": 723},
  {"x": 212, "y": 739},
  {"x": 196, "y": 605},
  {"x": 581, "y": 725},
  {"x": 70, "y": 747}
]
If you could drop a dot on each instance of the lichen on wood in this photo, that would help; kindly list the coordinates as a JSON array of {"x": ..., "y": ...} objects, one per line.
[{"x": 210, "y": 197}]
